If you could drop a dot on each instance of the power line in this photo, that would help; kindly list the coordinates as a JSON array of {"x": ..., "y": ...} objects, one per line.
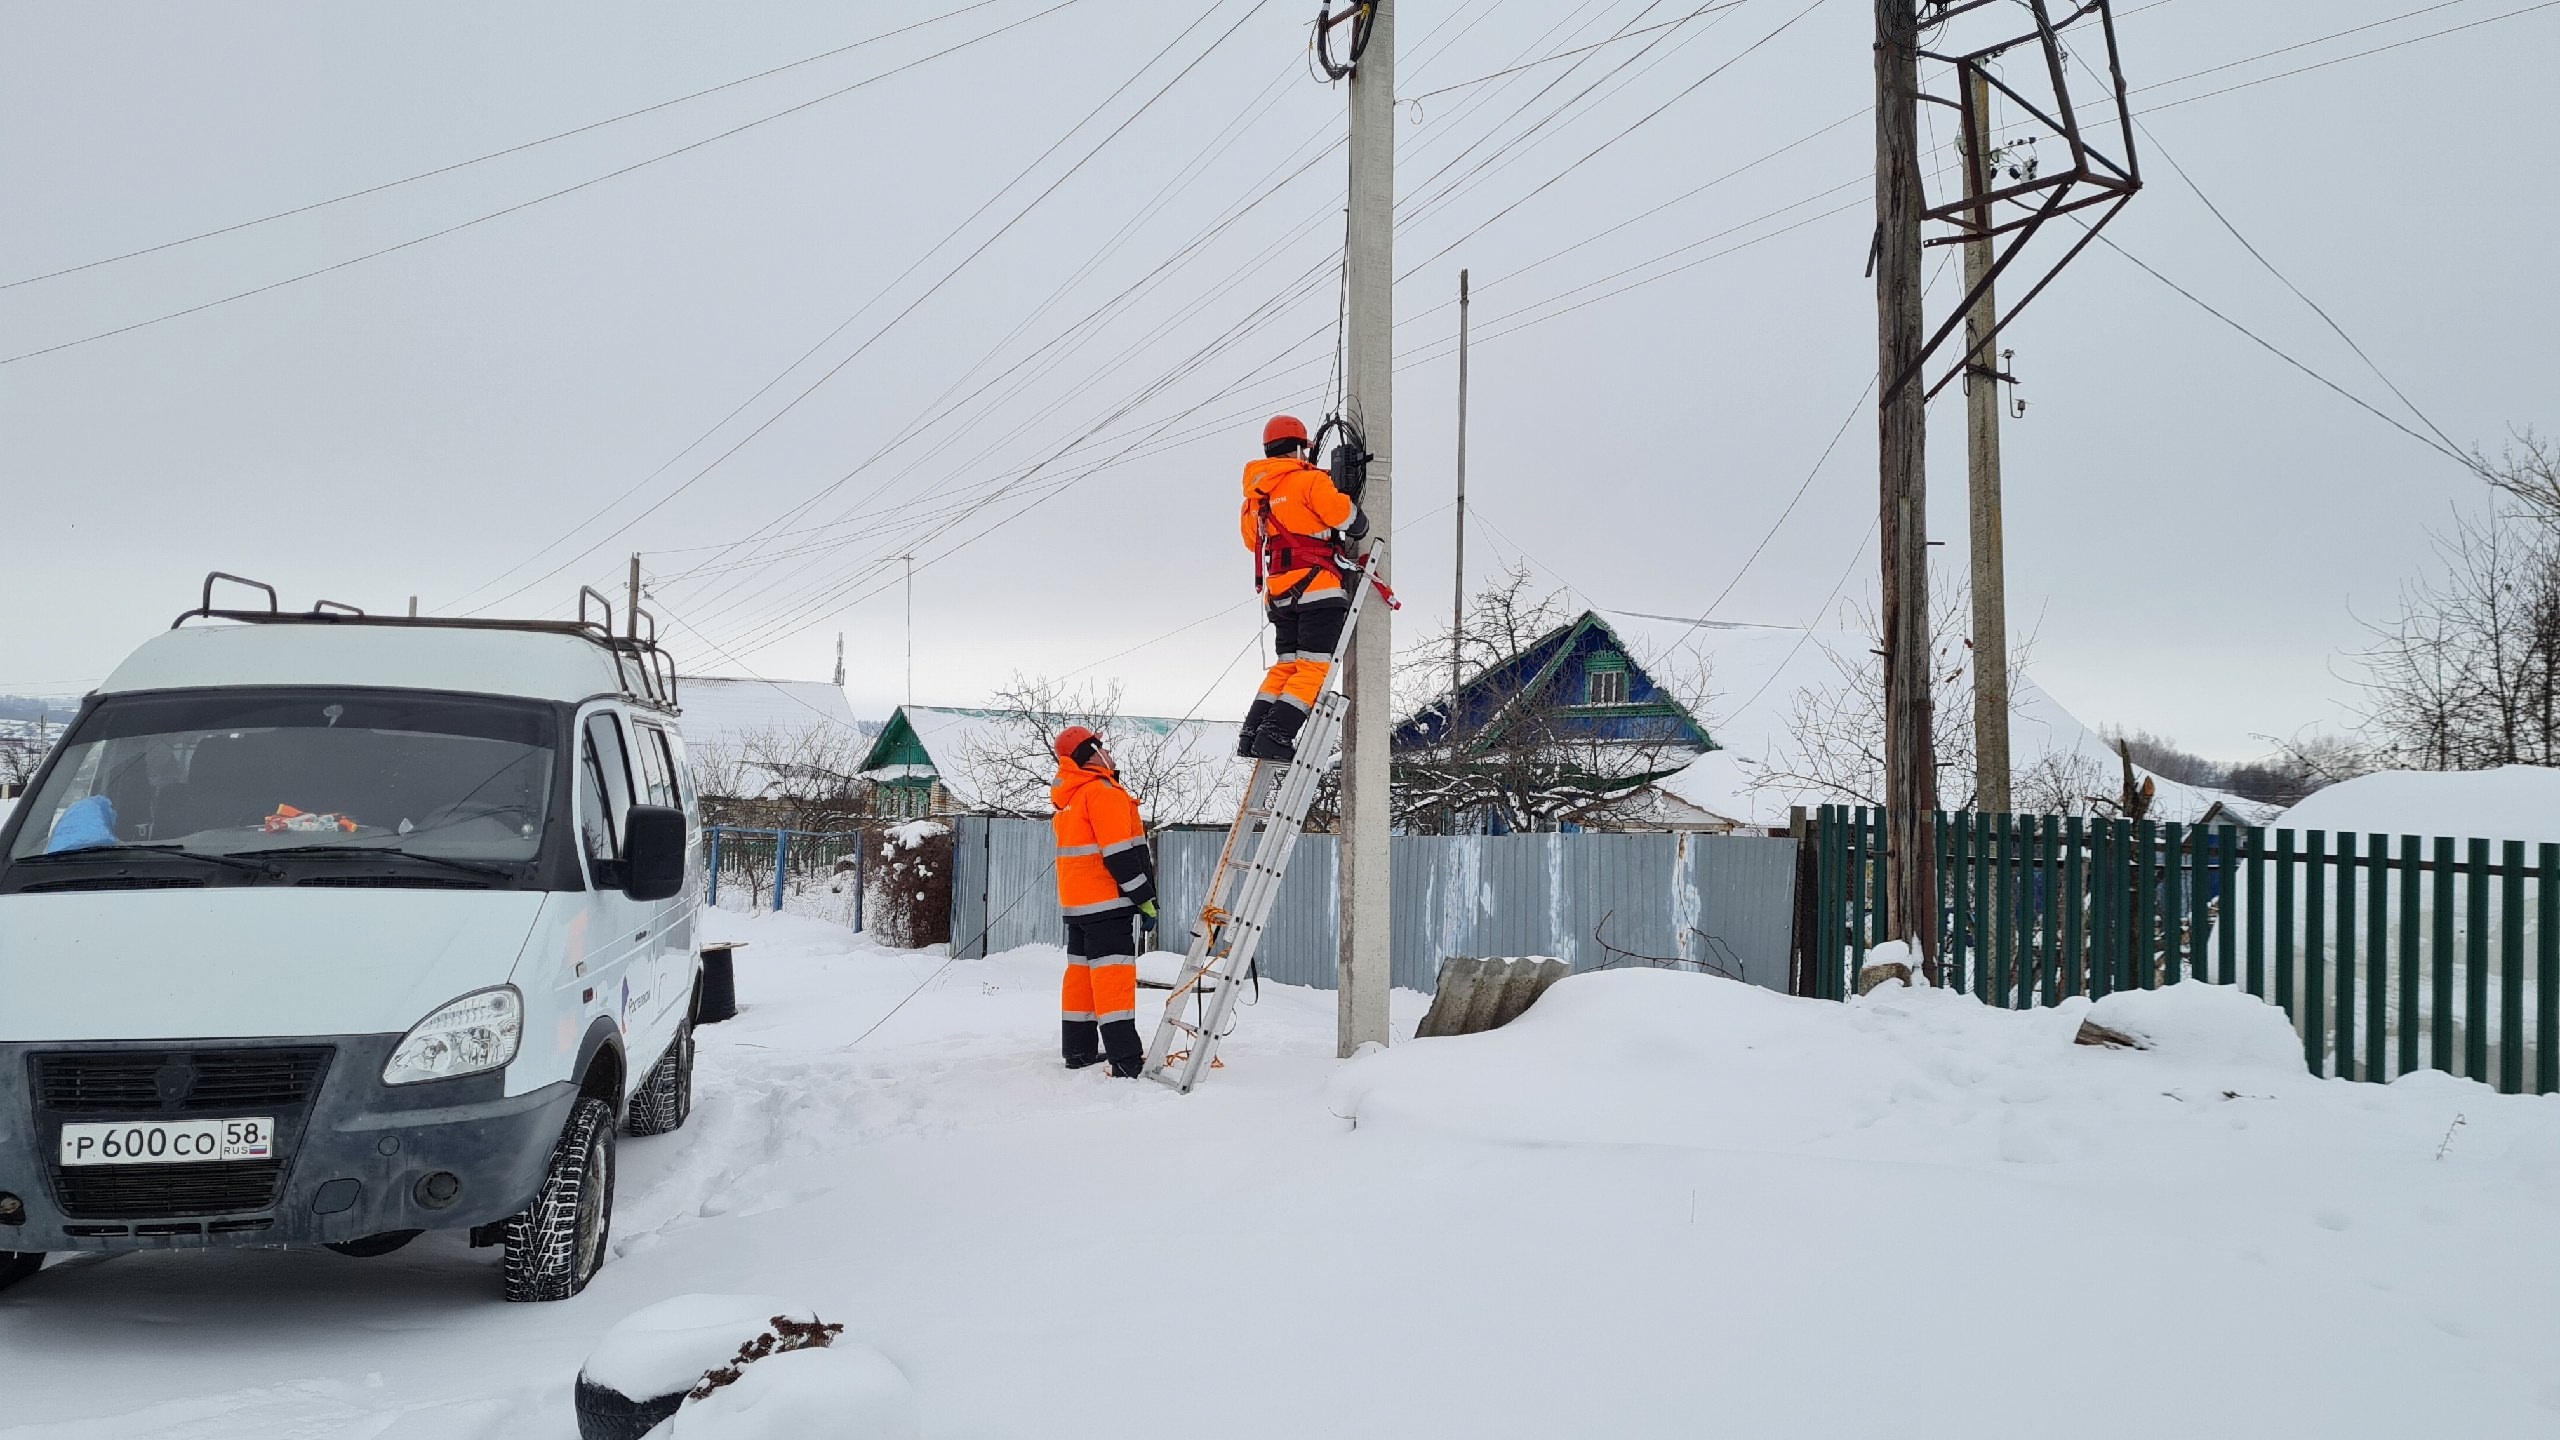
[
  {"x": 936, "y": 287},
  {"x": 1640, "y": 123},
  {"x": 2342, "y": 59},
  {"x": 1577, "y": 50},
  {"x": 2325, "y": 317},
  {"x": 500, "y": 153},
  {"x": 2359, "y": 401},
  {"x": 539, "y": 199}
]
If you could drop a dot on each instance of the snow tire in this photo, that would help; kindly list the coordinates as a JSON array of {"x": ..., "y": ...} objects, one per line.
[
  {"x": 555, "y": 1245},
  {"x": 666, "y": 1095},
  {"x": 17, "y": 1265}
]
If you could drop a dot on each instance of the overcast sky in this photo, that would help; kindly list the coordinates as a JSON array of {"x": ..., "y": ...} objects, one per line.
[{"x": 2194, "y": 527}]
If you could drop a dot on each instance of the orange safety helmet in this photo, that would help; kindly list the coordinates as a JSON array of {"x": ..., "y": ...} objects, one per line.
[
  {"x": 1073, "y": 739},
  {"x": 1283, "y": 427}
]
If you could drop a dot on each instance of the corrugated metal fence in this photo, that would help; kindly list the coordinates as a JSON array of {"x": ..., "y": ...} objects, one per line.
[{"x": 1595, "y": 900}]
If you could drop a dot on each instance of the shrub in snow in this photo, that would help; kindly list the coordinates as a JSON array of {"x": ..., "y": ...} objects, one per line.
[
  {"x": 645, "y": 1366},
  {"x": 844, "y": 1390},
  {"x": 2197, "y": 1022},
  {"x": 907, "y": 888}
]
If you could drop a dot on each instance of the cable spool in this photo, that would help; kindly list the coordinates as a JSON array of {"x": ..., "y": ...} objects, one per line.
[
  {"x": 1348, "y": 462},
  {"x": 1362, "y": 15}
]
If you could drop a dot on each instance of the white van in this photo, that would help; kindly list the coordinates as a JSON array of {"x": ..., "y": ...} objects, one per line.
[{"x": 335, "y": 928}]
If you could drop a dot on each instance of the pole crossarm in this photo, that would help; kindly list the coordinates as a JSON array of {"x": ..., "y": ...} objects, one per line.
[{"x": 2103, "y": 172}]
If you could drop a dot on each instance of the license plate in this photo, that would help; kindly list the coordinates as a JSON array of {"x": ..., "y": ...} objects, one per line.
[{"x": 165, "y": 1142}]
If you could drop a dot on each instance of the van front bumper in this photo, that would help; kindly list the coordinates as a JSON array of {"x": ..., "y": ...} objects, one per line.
[{"x": 354, "y": 1157}]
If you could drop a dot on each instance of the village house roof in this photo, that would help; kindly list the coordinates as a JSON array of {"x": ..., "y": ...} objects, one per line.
[{"x": 1183, "y": 771}]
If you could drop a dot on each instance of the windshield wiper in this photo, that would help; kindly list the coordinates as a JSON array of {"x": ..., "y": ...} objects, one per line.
[
  {"x": 470, "y": 866},
  {"x": 178, "y": 852}
]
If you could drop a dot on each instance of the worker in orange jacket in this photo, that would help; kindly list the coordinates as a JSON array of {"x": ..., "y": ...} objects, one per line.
[
  {"x": 1295, "y": 522},
  {"x": 1107, "y": 887}
]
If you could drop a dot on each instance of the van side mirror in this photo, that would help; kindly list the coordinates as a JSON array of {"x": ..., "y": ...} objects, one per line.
[{"x": 653, "y": 852}]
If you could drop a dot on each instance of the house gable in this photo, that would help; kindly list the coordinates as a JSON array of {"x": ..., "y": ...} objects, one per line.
[{"x": 1584, "y": 677}]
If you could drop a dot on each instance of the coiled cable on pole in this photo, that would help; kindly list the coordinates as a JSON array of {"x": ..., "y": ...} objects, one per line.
[{"x": 1361, "y": 15}]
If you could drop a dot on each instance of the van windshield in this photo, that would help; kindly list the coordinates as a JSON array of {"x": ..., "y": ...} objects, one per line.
[{"x": 237, "y": 772}]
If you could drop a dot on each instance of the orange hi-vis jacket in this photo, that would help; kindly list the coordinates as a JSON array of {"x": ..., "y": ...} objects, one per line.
[
  {"x": 1285, "y": 494},
  {"x": 1104, "y": 867}
]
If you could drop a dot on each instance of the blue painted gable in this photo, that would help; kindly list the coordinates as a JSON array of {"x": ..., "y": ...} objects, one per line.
[{"x": 1584, "y": 680}]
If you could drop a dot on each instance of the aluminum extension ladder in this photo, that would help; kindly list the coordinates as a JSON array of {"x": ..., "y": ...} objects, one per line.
[{"x": 1229, "y": 926}]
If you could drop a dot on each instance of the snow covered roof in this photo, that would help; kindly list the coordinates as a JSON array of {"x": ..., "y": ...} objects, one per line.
[
  {"x": 1183, "y": 771},
  {"x": 727, "y": 709},
  {"x": 2511, "y": 802},
  {"x": 1744, "y": 682}
]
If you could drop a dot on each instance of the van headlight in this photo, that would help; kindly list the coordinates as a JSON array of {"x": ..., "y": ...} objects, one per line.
[{"x": 469, "y": 1036}]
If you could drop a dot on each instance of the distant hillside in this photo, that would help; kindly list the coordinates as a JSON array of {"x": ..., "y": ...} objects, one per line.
[{"x": 30, "y": 708}]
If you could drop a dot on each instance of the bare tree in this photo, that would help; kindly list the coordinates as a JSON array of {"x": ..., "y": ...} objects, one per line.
[
  {"x": 1178, "y": 772},
  {"x": 1507, "y": 748},
  {"x": 2467, "y": 675},
  {"x": 1835, "y": 747},
  {"x": 797, "y": 777}
]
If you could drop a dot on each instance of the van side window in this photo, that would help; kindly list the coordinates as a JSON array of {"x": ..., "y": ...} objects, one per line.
[
  {"x": 654, "y": 769},
  {"x": 676, "y": 768},
  {"x": 604, "y": 780}
]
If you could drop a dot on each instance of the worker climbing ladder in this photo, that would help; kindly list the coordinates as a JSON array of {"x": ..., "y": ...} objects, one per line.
[{"x": 1228, "y": 929}]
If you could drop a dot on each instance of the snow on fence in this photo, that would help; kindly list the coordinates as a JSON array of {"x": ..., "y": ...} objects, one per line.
[
  {"x": 2391, "y": 954},
  {"x": 1715, "y": 902}
]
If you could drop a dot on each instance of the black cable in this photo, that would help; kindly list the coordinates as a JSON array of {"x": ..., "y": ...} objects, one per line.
[
  {"x": 537, "y": 200},
  {"x": 498, "y": 154}
]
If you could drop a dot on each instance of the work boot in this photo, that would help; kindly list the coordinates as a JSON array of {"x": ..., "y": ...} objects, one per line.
[
  {"x": 1081, "y": 1043},
  {"x": 1254, "y": 717},
  {"x": 1278, "y": 737},
  {"x": 1128, "y": 1057}
]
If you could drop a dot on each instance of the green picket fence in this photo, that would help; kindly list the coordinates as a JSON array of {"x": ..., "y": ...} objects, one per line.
[{"x": 2391, "y": 954}]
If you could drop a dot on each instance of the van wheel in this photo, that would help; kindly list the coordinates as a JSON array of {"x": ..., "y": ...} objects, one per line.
[
  {"x": 555, "y": 1245},
  {"x": 666, "y": 1096},
  {"x": 17, "y": 1265}
]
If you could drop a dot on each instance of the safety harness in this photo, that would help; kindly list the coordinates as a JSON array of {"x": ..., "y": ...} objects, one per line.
[{"x": 1279, "y": 550}]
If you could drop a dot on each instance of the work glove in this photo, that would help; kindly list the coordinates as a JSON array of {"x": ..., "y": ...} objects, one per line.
[{"x": 1147, "y": 918}]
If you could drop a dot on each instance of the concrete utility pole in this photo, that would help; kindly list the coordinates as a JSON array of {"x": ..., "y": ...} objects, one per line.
[
  {"x": 1982, "y": 453},
  {"x": 1910, "y": 762},
  {"x": 631, "y": 611},
  {"x": 1458, "y": 568},
  {"x": 1370, "y": 277}
]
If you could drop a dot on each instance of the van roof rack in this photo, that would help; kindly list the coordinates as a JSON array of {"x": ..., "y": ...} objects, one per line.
[{"x": 648, "y": 672}]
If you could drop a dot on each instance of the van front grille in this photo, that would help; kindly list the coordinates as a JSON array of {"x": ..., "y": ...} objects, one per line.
[
  {"x": 245, "y": 1080},
  {"x": 129, "y": 1192}
]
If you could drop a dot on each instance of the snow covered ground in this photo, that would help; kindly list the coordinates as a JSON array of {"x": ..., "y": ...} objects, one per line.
[{"x": 1658, "y": 1205}]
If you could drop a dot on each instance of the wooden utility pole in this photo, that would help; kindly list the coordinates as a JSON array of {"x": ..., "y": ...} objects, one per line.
[
  {"x": 1458, "y": 568},
  {"x": 1910, "y": 762},
  {"x": 1369, "y": 279},
  {"x": 1982, "y": 453}
]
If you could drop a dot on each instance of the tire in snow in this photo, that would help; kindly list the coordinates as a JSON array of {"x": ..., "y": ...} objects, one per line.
[
  {"x": 666, "y": 1095},
  {"x": 555, "y": 1245}
]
